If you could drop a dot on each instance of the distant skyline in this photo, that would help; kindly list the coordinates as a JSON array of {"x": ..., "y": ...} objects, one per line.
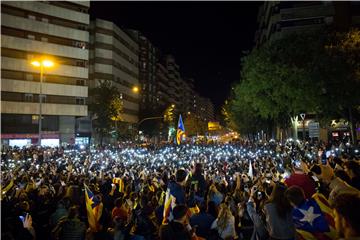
[{"x": 207, "y": 39}]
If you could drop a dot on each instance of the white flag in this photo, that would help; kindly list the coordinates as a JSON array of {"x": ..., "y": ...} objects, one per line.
[{"x": 250, "y": 173}]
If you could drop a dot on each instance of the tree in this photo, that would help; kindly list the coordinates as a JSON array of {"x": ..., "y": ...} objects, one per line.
[
  {"x": 105, "y": 108},
  {"x": 277, "y": 79},
  {"x": 228, "y": 116},
  {"x": 343, "y": 77},
  {"x": 169, "y": 120},
  {"x": 169, "y": 114},
  {"x": 315, "y": 72}
]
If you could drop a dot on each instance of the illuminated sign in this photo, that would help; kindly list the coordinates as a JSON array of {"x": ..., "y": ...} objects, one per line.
[{"x": 213, "y": 126}]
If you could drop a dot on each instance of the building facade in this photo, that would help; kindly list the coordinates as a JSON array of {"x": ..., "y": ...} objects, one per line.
[
  {"x": 114, "y": 57},
  {"x": 34, "y": 31},
  {"x": 147, "y": 71},
  {"x": 277, "y": 18},
  {"x": 162, "y": 83}
]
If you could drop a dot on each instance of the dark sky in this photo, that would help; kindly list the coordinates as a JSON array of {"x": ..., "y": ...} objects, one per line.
[{"x": 206, "y": 38}]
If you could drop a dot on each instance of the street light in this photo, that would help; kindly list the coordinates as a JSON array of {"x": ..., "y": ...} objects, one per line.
[
  {"x": 135, "y": 89},
  {"x": 302, "y": 115},
  {"x": 47, "y": 64}
]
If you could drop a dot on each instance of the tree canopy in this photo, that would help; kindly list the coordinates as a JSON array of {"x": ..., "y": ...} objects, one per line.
[
  {"x": 106, "y": 107},
  {"x": 313, "y": 72}
]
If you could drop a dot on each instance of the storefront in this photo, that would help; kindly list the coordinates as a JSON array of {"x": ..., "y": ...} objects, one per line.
[{"x": 23, "y": 140}]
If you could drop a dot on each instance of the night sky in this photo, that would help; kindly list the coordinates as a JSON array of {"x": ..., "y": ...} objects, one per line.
[{"x": 207, "y": 39}]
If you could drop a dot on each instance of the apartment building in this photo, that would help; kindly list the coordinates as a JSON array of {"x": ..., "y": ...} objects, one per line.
[
  {"x": 147, "y": 71},
  {"x": 36, "y": 31},
  {"x": 277, "y": 18},
  {"x": 114, "y": 57},
  {"x": 174, "y": 80}
]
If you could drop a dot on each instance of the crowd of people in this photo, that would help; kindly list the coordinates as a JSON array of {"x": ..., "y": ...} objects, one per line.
[{"x": 243, "y": 190}]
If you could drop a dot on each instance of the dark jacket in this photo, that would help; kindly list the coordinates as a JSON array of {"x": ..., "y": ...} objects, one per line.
[
  {"x": 199, "y": 181},
  {"x": 178, "y": 192},
  {"x": 71, "y": 229},
  {"x": 174, "y": 231},
  {"x": 203, "y": 222}
]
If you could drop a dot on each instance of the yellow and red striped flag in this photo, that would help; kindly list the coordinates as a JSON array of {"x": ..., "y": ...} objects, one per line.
[
  {"x": 314, "y": 219},
  {"x": 180, "y": 131},
  {"x": 169, "y": 204},
  {"x": 94, "y": 209}
]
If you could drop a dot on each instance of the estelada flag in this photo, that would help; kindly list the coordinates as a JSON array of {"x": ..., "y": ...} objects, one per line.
[
  {"x": 313, "y": 219},
  {"x": 180, "y": 130},
  {"x": 94, "y": 209},
  {"x": 169, "y": 204}
]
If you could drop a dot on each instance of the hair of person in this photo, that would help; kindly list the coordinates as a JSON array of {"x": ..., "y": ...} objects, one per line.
[
  {"x": 338, "y": 161},
  {"x": 316, "y": 169},
  {"x": 343, "y": 176},
  {"x": 118, "y": 202},
  {"x": 353, "y": 166},
  {"x": 212, "y": 209},
  {"x": 73, "y": 212},
  {"x": 295, "y": 195},
  {"x": 278, "y": 198},
  {"x": 179, "y": 211},
  {"x": 224, "y": 216},
  {"x": 202, "y": 206},
  {"x": 198, "y": 169},
  {"x": 180, "y": 175},
  {"x": 347, "y": 205}
]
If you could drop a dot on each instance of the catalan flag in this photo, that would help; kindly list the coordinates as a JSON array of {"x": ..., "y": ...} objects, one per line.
[
  {"x": 94, "y": 209},
  {"x": 180, "y": 130},
  {"x": 313, "y": 219},
  {"x": 169, "y": 204}
]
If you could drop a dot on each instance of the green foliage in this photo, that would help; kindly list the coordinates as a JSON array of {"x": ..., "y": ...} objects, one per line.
[
  {"x": 105, "y": 106},
  {"x": 341, "y": 71},
  {"x": 313, "y": 72},
  {"x": 169, "y": 115}
]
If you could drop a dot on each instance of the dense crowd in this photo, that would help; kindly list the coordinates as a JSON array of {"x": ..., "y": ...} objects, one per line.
[{"x": 242, "y": 190}]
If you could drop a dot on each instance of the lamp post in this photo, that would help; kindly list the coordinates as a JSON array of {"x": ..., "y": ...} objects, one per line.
[
  {"x": 302, "y": 115},
  {"x": 47, "y": 64}
]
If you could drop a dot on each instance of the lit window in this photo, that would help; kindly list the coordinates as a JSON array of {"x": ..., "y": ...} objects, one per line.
[{"x": 34, "y": 119}]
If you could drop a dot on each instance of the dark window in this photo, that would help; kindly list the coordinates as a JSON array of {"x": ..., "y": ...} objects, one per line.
[
  {"x": 29, "y": 97},
  {"x": 80, "y": 101}
]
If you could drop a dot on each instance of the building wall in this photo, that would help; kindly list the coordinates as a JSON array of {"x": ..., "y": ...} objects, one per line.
[
  {"x": 114, "y": 57},
  {"x": 277, "y": 19},
  {"x": 59, "y": 31}
]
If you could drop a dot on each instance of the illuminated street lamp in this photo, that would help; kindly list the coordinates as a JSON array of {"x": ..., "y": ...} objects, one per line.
[
  {"x": 135, "y": 89},
  {"x": 44, "y": 63}
]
